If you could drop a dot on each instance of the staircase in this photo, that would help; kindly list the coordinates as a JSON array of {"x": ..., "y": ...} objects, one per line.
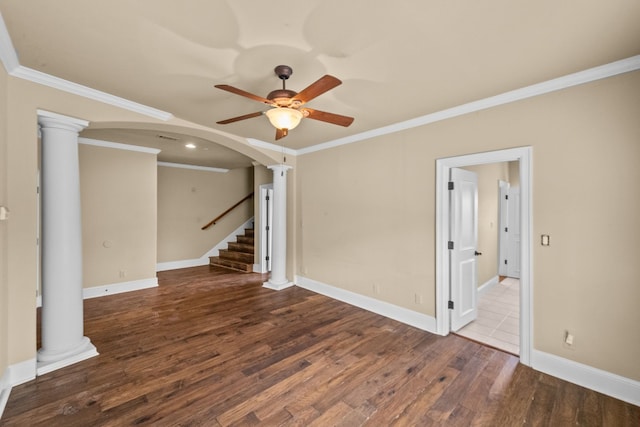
[{"x": 239, "y": 254}]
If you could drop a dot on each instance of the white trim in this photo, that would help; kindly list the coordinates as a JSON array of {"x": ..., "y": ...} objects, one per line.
[
  {"x": 560, "y": 83},
  {"x": 22, "y": 372},
  {"x": 86, "y": 351},
  {"x": 5, "y": 390},
  {"x": 185, "y": 263},
  {"x": 277, "y": 287},
  {"x": 70, "y": 120},
  {"x": 7, "y": 51},
  {"x": 524, "y": 156},
  {"x": 194, "y": 167},
  {"x": 488, "y": 285},
  {"x": 117, "y": 145},
  {"x": 204, "y": 259},
  {"x": 87, "y": 92},
  {"x": 601, "y": 381},
  {"x": 118, "y": 288},
  {"x": 401, "y": 314},
  {"x": 273, "y": 147}
]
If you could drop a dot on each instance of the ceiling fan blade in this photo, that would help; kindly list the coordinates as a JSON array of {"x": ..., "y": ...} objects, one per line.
[
  {"x": 281, "y": 133},
  {"x": 332, "y": 118},
  {"x": 237, "y": 119},
  {"x": 245, "y": 94},
  {"x": 319, "y": 87}
]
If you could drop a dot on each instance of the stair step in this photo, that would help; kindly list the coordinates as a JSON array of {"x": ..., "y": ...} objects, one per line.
[
  {"x": 236, "y": 256},
  {"x": 240, "y": 247},
  {"x": 245, "y": 239},
  {"x": 230, "y": 264},
  {"x": 248, "y": 231}
]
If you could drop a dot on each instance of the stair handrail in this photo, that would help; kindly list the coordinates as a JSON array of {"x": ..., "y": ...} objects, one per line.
[{"x": 219, "y": 217}]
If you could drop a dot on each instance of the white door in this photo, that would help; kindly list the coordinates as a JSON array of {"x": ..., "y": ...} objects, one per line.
[
  {"x": 503, "y": 243},
  {"x": 463, "y": 244},
  {"x": 513, "y": 236},
  {"x": 266, "y": 226}
]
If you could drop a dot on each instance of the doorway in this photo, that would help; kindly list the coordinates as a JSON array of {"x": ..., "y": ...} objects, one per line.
[
  {"x": 265, "y": 232},
  {"x": 443, "y": 222}
]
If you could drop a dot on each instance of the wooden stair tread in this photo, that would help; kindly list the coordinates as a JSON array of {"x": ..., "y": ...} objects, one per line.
[{"x": 239, "y": 255}]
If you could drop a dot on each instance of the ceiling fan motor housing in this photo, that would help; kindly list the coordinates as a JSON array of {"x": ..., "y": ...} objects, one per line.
[{"x": 283, "y": 72}]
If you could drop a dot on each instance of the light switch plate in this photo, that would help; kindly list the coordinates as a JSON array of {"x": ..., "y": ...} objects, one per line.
[{"x": 544, "y": 240}]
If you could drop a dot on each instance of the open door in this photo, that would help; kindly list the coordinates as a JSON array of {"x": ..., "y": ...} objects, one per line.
[
  {"x": 463, "y": 242},
  {"x": 266, "y": 227}
]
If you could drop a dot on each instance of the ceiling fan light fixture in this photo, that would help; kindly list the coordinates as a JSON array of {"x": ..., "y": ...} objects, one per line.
[{"x": 284, "y": 118}]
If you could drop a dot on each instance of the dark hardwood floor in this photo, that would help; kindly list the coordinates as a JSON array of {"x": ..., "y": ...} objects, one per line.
[{"x": 209, "y": 347}]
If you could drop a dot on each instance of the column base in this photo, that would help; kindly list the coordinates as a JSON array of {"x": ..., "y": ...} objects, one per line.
[
  {"x": 48, "y": 362},
  {"x": 277, "y": 286}
]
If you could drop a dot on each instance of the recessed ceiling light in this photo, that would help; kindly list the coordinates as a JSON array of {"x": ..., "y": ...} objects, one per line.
[{"x": 190, "y": 145}]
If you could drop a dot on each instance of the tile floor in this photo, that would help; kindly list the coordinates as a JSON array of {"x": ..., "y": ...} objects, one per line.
[{"x": 498, "y": 322}]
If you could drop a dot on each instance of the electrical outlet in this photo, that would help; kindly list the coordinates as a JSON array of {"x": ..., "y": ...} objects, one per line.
[{"x": 418, "y": 299}]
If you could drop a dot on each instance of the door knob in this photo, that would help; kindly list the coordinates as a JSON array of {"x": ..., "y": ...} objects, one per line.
[{"x": 476, "y": 253}]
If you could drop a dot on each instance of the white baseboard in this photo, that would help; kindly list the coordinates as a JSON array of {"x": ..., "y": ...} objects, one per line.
[
  {"x": 5, "y": 390},
  {"x": 401, "y": 314},
  {"x": 22, "y": 372},
  {"x": 487, "y": 285},
  {"x": 595, "y": 379},
  {"x": 185, "y": 263},
  {"x": 204, "y": 259},
  {"x": 14, "y": 375},
  {"x": 118, "y": 288}
]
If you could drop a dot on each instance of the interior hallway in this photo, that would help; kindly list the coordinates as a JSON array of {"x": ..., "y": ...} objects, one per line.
[{"x": 498, "y": 319}]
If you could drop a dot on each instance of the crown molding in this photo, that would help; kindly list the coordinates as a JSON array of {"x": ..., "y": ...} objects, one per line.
[
  {"x": 87, "y": 92},
  {"x": 7, "y": 52},
  {"x": 117, "y": 146},
  {"x": 194, "y": 167},
  {"x": 581, "y": 77},
  {"x": 273, "y": 147}
]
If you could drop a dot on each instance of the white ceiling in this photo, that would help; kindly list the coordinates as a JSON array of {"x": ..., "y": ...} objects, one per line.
[{"x": 397, "y": 60}]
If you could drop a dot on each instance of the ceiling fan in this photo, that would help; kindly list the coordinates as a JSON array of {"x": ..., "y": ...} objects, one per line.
[{"x": 287, "y": 112}]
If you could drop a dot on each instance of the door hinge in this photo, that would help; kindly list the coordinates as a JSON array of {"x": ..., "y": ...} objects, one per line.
[
  {"x": 450, "y": 306},
  {"x": 267, "y": 198},
  {"x": 266, "y": 228},
  {"x": 506, "y": 229},
  {"x": 506, "y": 196},
  {"x": 505, "y": 262},
  {"x": 450, "y": 244},
  {"x": 266, "y": 258},
  {"x": 450, "y": 186}
]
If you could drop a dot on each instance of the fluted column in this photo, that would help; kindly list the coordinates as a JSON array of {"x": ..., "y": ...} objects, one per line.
[
  {"x": 63, "y": 340},
  {"x": 278, "y": 279}
]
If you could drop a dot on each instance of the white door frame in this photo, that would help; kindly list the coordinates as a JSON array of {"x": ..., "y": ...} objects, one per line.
[{"x": 523, "y": 155}]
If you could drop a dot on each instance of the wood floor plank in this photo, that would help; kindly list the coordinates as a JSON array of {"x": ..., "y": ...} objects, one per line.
[{"x": 212, "y": 348}]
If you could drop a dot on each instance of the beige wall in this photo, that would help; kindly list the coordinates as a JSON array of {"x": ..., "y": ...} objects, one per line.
[
  {"x": 4, "y": 302},
  {"x": 514, "y": 174},
  {"x": 488, "y": 217},
  {"x": 367, "y": 214},
  {"x": 188, "y": 199},
  {"x": 118, "y": 195}
]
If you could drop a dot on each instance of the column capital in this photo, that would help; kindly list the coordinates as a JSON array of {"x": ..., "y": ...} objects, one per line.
[
  {"x": 47, "y": 119},
  {"x": 280, "y": 168}
]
